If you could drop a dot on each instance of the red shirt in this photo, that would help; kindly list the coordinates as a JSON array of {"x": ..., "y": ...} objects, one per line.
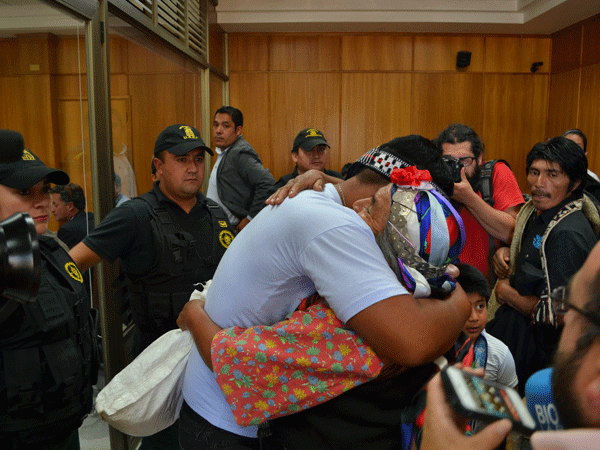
[{"x": 506, "y": 194}]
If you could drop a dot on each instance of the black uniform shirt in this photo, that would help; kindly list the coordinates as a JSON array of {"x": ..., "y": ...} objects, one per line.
[{"x": 126, "y": 232}]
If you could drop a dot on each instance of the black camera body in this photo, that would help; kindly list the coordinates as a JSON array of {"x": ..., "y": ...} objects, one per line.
[
  {"x": 19, "y": 258},
  {"x": 455, "y": 167}
]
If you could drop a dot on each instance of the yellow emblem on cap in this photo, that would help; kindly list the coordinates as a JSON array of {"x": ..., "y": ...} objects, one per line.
[
  {"x": 27, "y": 156},
  {"x": 222, "y": 224},
  {"x": 225, "y": 238},
  {"x": 313, "y": 133},
  {"x": 73, "y": 271},
  {"x": 189, "y": 133}
]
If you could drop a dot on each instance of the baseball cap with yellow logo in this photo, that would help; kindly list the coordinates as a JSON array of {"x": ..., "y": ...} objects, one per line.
[
  {"x": 308, "y": 138},
  {"x": 27, "y": 170},
  {"x": 179, "y": 139}
]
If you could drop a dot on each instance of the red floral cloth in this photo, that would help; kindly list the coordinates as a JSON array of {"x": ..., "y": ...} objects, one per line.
[{"x": 272, "y": 371}]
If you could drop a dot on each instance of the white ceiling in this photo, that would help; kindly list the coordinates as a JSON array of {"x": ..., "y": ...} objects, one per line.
[{"x": 417, "y": 16}]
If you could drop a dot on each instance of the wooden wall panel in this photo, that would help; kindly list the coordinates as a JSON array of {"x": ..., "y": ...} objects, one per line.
[
  {"x": 515, "y": 55},
  {"x": 304, "y": 53},
  {"x": 377, "y": 52},
  {"x": 439, "y": 99},
  {"x": 375, "y": 108},
  {"x": 248, "y": 52},
  {"x": 315, "y": 104},
  {"x": 591, "y": 42},
  {"x": 70, "y": 55},
  {"x": 216, "y": 47},
  {"x": 515, "y": 116},
  {"x": 9, "y": 57},
  {"x": 216, "y": 101},
  {"x": 566, "y": 50},
  {"x": 589, "y": 113},
  {"x": 563, "y": 104},
  {"x": 157, "y": 101},
  {"x": 249, "y": 92},
  {"x": 37, "y": 53},
  {"x": 439, "y": 52},
  {"x": 11, "y": 93},
  {"x": 39, "y": 121},
  {"x": 143, "y": 60}
]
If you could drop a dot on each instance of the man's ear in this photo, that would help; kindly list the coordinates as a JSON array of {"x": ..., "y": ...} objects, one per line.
[
  {"x": 157, "y": 163},
  {"x": 238, "y": 130},
  {"x": 295, "y": 157},
  {"x": 575, "y": 186}
]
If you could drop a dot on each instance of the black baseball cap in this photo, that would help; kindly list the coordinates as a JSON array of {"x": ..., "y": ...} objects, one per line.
[
  {"x": 308, "y": 138},
  {"x": 25, "y": 171},
  {"x": 179, "y": 139}
]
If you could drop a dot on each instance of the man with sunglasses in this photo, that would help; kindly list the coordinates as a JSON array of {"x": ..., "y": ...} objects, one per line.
[
  {"x": 554, "y": 233},
  {"x": 310, "y": 151},
  {"x": 481, "y": 220}
]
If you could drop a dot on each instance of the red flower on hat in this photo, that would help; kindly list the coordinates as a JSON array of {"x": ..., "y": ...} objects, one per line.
[{"x": 410, "y": 176}]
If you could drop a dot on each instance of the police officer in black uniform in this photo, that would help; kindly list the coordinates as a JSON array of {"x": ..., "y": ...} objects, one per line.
[
  {"x": 47, "y": 352},
  {"x": 168, "y": 241}
]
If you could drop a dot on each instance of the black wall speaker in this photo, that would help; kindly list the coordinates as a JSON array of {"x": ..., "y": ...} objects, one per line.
[{"x": 463, "y": 59}]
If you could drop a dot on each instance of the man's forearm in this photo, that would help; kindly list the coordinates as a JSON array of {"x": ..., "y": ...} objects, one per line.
[
  {"x": 498, "y": 224},
  {"x": 525, "y": 304},
  {"x": 411, "y": 331}
]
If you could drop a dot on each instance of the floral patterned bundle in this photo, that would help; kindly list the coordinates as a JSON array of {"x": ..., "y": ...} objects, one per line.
[{"x": 267, "y": 372}]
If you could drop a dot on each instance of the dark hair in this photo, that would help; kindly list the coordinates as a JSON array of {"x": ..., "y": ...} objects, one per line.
[
  {"x": 70, "y": 193},
  {"x": 473, "y": 281},
  {"x": 421, "y": 152},
  {"x": 152, "y": 166},
  {"x": 345, "y": 169},
  {"x": 577, "y": 132},
  {"x": 565, "y": 153},
  {"x": 236, "y": 115},
  {"x": 457, "y": 133}
]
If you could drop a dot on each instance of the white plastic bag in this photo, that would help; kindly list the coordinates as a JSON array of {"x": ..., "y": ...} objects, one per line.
[{"x": 145, "y": 397}]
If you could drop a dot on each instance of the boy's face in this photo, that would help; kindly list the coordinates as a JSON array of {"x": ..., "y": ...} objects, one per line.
[{"x": 478, "y": 318}]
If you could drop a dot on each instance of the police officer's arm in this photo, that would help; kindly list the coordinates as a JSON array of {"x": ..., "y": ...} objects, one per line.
[
  {"x": 84, "y": 257},
  {"x": 412, "y": 331},
  {"x": 498, "y": 224}
]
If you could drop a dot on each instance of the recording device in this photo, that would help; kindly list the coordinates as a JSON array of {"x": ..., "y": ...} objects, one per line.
[
  {"x": 455, "y": 167},
  {"x": 540, "y": 402},
  {"x": 485, "y": 400},
  {"x": 19, "y": 258}
]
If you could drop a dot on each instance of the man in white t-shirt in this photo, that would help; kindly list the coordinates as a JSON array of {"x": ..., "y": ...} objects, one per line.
[{"x": 316, "y": 242}]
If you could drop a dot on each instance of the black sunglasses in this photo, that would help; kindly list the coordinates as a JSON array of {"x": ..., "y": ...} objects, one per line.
[{"x": 561, "y": 305}]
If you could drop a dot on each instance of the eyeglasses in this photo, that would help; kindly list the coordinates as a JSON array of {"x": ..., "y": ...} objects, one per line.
[
  {"x": 561, "y": 305},
  {"x": 467, "y": 160}
]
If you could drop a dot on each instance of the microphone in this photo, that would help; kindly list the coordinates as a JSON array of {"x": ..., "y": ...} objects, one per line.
[
  {"x": 12, "y": 145},
  {"x": 540, "y": 401}
]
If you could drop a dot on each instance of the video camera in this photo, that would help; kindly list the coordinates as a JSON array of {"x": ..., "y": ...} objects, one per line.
[{"x": 19, "y": 258}]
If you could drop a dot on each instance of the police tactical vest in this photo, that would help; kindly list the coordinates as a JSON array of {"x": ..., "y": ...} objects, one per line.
[
  {"x": 47, "y": 352},
  {"x": 179, "y": 268}
]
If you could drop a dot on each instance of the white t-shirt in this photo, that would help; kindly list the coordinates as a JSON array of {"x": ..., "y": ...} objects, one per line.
[
  {"x": 308, "y": 243},
  {"x": 500, "y": 366}
]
